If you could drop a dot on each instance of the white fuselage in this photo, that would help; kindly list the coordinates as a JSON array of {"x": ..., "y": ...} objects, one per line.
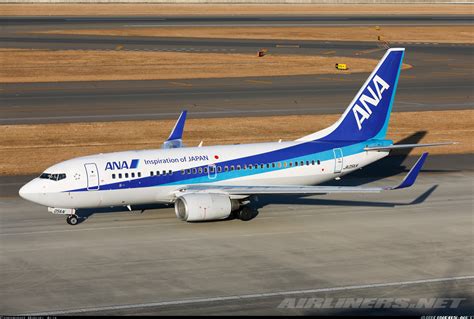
[{"x": 153, "y": 176}]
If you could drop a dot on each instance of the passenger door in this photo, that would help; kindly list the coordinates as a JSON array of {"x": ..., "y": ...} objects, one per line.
[{"x": 92, "y": 176}]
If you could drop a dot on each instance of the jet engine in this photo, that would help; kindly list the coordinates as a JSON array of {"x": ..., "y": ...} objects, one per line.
[{"x": 201, "y": 206}]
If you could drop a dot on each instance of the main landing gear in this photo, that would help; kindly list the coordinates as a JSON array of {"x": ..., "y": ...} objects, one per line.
[
  {"x": 247, "y": 213},
  {"x": 72, "y": 219}
]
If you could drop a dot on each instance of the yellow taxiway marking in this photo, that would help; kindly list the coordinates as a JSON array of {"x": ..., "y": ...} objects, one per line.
[
  {"x": 370, "y": 51},
  {"x": 180, "y": 83},
  {"x": 328, "y": 52},
  {"x": 258, "y": 81},
  {"x": 334, "y": 79},
  {"x": 287, "y": 46}
]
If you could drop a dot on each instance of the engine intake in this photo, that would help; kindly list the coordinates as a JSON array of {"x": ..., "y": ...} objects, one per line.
[{"x": 202, "y": 207}]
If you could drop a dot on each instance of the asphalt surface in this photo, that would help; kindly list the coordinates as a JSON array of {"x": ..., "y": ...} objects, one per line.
[{"x": 410, "y": 244}]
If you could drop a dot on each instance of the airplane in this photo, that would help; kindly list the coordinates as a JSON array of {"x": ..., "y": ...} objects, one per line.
[{"x": 207, "y": 183}]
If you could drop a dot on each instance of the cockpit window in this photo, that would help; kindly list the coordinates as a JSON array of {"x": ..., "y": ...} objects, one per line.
[{"x": 54, "y": 177}]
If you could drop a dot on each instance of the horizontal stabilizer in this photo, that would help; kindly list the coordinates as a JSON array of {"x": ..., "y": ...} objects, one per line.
[{"x": 401, "y": 146}]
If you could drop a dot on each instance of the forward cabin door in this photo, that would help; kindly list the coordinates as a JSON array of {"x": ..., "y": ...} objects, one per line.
[
  {"x": 338, "y": 160},
  {"x": 92, "y": 176}
]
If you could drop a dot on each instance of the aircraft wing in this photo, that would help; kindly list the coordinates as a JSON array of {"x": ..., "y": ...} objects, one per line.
[
  {"x": 175, "y": 140},
  {"x": 408, "y": 181}
]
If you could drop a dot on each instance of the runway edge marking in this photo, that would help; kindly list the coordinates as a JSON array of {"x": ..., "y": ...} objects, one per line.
[{"x": 247, "y": 296}]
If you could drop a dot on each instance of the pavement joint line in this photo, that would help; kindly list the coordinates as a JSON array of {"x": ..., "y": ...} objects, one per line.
[{"x": 249, "y": 296}]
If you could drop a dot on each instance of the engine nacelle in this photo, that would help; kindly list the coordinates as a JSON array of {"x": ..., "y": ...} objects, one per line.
[{"x": 202, "y": 206}]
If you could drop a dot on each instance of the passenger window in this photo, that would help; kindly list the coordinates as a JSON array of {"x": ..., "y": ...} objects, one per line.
[
  {"x": 262, "y": 165},
  {"x": 126, "y": 175},
  {"x": 296, "y": 163},
  {"x": 120, "y": 175},
  {"x": 188, "y": 171},
  {"x": 113, "y": 176},
  {"x": 268, "y": 165},
  {"x": 151, "y": 173},
  {"x": 238, "y": 167},
  {"x": 273, "y": 165},
  {"x": 279, "y": 164},
  {"x": 139, "y": 174},
  {"x": 133, "y": 175},
  {"x": 226, "y": 168},
  {"x": 182, "y": 172},
  {"x": 170, "y": 172},
  {"x": 164, "y": 173},
  {"x": 194, "y": 171},
  {"x": 302, "y": 163},
  {"x": 200, "y": 170},
  {"x": 312, "y": 162},
  {"x": 219, "y": 169},
  {"x": 232, "y": 167},
  {"x": 250, "y": 166},
  {"x": 157, "y": 173},
  {"x": 285, "y": 164},
  {"x": 319, "y": 162},
  {"x": 307, "y": 162}
]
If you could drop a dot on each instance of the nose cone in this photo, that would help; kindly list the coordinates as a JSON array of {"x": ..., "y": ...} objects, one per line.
[{"x": 30, "y": 191}]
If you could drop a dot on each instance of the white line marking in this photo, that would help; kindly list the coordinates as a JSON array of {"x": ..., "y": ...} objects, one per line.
[{"x": 249, "y": 296}]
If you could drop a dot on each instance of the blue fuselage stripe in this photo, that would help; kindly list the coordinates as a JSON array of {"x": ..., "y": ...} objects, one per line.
[{"x": 307, "y": 151}]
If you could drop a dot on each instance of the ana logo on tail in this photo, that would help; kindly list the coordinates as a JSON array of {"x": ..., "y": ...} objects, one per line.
[{"x": 362, "y": 114}]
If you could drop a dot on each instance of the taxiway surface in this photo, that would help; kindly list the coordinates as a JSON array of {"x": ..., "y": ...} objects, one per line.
[{"x": 413, "y": 244}]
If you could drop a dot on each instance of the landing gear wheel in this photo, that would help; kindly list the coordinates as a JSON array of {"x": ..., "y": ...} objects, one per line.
[
  {"x": 72, "y": 220},
  {"x": 246, "y": 213}
]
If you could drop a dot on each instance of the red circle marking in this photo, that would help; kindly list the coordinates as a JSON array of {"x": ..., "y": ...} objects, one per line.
[{"x": 216, "y": 156}]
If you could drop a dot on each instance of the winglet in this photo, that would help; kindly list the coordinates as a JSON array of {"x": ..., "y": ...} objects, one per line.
[
  {"x": 409, "y": 180},
  {"x": 177, "y": 132},
  {"x": 175, "y": 138}
]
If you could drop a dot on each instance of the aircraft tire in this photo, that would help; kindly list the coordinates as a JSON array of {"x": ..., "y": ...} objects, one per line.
[
  {"x": 247, "y": 213},
  {"x": 72, "y": 220}
]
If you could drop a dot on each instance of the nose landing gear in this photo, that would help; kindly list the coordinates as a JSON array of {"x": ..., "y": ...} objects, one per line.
[{"x": 72, "y": 219}]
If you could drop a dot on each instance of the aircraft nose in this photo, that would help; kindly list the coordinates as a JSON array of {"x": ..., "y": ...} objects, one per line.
[{"x": 29, "y": 191}]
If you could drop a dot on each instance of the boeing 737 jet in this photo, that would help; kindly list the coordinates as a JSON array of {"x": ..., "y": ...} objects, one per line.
[{"x": 212, "y": 182}]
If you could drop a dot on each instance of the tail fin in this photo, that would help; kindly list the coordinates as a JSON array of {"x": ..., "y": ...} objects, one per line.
[{"x": 368, "y": 114}]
